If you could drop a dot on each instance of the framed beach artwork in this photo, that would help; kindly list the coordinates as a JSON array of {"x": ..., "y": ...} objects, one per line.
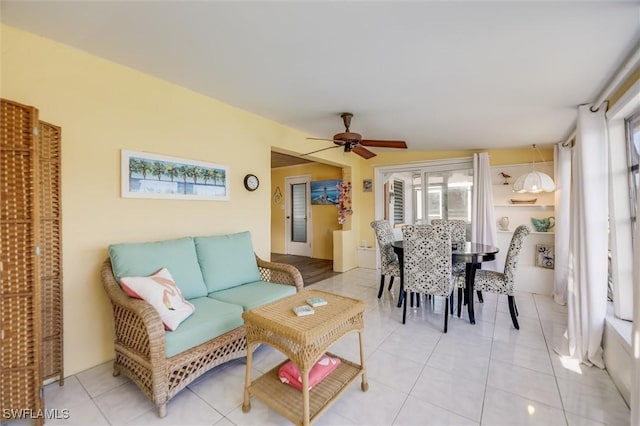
[
  {"x": 326, "y": 192},
  {"x": 146, "y": 175}
]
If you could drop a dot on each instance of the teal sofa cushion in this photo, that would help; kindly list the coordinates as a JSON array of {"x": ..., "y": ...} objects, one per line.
[
  {"x": 143, "y": 259},
  {"x": 254, "y": 294},
  {"x": 227, "y": 260},
  {"x": 212, "y": 318}
]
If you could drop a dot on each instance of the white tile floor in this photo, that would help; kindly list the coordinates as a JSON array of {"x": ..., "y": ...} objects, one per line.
[{"x": 488, "y": 373}]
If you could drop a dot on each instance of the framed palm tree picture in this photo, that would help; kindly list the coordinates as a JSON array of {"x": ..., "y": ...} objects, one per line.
[{"x": 146, "y": 175}]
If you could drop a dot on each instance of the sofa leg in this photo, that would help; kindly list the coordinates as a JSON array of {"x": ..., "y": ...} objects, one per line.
[
  {"x": 116, "y": 370},
  {"x": 162, "y": 410}
]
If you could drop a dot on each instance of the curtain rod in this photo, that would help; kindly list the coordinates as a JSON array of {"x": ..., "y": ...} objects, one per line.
[
  {"x": 568, "y": 140},
  {"x": 618, "y": 78},
  {"x": 613, "y": 84}
]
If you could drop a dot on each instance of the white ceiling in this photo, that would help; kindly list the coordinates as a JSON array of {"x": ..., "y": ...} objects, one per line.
[{"x": 440, "y": 75}]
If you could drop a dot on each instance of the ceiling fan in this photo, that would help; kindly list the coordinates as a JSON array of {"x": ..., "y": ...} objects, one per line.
[{"x": 353, "y": 142}]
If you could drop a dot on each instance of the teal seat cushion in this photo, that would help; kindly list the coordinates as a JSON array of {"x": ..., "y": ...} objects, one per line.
[
  {"x": 210, "y": 319},
  {"x": 227, "y": 260},
  {"x": 143, "y": 259},
  {"x": 254, "y": 294}
]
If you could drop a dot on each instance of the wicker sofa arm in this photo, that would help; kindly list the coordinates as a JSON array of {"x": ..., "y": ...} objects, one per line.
[
  {"x": 138, "y": 326},
  {"x": 281, "y": 273}
]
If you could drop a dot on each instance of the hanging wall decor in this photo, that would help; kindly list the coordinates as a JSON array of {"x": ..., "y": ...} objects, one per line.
[
  {"x": 326, "y": 192},
  {"x": 277, "y": 196},
  {"x": 545, "y": 257},
  {"x": 344, "y": 203},
  {"x": 146, "y": 175}
]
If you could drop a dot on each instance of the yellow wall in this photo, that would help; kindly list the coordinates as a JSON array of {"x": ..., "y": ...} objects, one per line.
[
  {"x": 615, "y": 97},
  {"x": 103, "y": 107},
  {"x": 324, "y": 218}
]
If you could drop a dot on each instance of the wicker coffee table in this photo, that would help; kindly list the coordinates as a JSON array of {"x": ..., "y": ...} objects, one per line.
[{"x": 303, "y": 340}]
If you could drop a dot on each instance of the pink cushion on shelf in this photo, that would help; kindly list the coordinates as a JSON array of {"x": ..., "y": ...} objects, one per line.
[{"x": 290, "y": 374}]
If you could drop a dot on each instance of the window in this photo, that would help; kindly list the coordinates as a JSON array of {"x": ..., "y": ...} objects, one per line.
[
  {"x": 633, "y": 155},
  {"x": 418, "y": 193},
  {"x": 623, "y": 119},
  {"x": 398, "y": 202}
]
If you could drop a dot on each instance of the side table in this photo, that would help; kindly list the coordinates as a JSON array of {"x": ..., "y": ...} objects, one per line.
[{"x": 303, "y": 340}]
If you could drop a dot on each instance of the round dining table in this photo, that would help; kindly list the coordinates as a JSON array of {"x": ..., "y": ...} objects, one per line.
[{"x": 472, "y": 254}]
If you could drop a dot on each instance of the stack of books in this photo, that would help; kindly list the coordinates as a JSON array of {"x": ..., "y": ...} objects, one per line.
[{"x": 307, "y": 309}]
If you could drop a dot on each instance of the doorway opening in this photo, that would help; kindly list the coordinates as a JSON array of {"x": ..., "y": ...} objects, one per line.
[
  {"x": 418, "y": 193},
  {"x": 298, "y": 218}
]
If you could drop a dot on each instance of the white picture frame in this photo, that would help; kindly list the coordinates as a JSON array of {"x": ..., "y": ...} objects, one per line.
[{"x": 147, "y": 175}]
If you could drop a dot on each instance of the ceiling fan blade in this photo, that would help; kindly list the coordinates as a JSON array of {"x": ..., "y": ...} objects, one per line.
[
  {"x": 383, "y": 144},
  {"x": 323, "y": 149},
  {"x": 363, "y": 152},
  {"x": 320, "y": 139}
]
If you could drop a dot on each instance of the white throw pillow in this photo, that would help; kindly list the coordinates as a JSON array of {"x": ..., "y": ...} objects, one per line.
[{"x": 161, "y": 291}]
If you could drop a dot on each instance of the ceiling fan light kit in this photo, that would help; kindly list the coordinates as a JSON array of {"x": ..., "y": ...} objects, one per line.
[
  {"x": 353, "y": 142},
  {"x": 534, "y": 182}
]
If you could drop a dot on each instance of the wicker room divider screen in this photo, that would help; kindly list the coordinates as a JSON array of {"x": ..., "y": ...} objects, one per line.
[
  {"x": 51, "y": 255},
  {"x": 30, "y": 260}
]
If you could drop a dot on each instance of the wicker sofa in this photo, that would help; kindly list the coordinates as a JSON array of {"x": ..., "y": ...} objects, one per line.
[{"x": 221, "y": 276}]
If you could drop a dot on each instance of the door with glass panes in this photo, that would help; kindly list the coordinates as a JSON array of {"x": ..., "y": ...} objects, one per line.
[
  {"x": 298, "y": 216},
  {"x": 418, "y": 195}
]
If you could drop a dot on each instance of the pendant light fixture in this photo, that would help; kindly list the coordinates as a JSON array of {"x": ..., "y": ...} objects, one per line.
[{"x": 534, "y": 181}]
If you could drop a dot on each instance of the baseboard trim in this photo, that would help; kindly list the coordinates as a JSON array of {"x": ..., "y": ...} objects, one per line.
[{"x": 617, "y": 352}]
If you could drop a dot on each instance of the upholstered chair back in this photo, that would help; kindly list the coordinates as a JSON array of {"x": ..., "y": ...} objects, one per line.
[
  {"x": 511, "y": 261},
  {"x": 458, "y": 228},
  {"x": 458, "y": 231},
  {"x": 388, "y": 259},
  {"x": 427, "y": 259}
]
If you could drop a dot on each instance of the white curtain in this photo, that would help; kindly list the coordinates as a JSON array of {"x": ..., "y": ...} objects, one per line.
[
  {"x": 562, "y": 164},
  {"x": 483, "y": 216},
  {"x": 635, "y": 370},
  {"x": 588, "y": 241}
]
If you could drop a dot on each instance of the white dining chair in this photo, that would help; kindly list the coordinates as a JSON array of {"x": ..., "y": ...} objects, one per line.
[
  {"x": 427, "y": 264},
  {"x": 502, "y": 282},
  {"x": 458, "y": 232},
  {"x": 389, "y": 264}
]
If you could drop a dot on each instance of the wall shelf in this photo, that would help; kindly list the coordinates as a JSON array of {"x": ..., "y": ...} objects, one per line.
[
  {"x": 532, "y": 232},
  {"x": 542, "y": 206},
  {"x": 529, "y": 277}
]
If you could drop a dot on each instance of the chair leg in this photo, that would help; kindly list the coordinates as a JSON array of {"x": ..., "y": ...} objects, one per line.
[
  {"x": 478, "y": 292},
  {"x": 512, "y": 311},
  {"x": 460, "y": 297},
  {"x": 390, "y": 283},
  {"x": 382, "y": 285},
  {"x": 404, "y": 310},
  {"x": 446, "y": 316},
  {"x": 418, "y": 299},
  {"x": 412, "y": 296},
  {"x": 451, "y": 302}
]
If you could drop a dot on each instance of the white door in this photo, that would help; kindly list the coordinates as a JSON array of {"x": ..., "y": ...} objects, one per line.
[{"x": 298, "y": 227}]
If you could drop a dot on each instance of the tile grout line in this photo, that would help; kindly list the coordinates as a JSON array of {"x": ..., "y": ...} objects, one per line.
[
  {"x": 486, "y": 380},
  {"x": 553, "y": 368},
  {"x": 425, "y": 365}
]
